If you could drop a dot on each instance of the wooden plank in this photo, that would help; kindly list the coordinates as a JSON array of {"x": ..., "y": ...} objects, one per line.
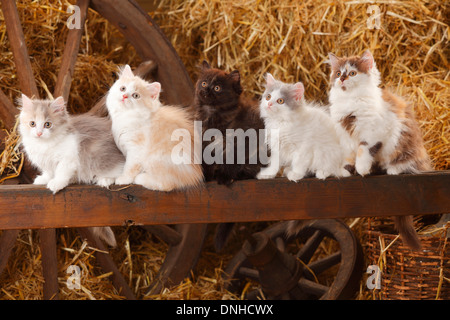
[{"x": 29, "y": 206}]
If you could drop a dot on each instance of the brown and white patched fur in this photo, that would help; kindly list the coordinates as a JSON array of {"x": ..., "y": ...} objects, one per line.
[
  {"x": 157, "y": 140},
  {"x": 379, "y": 126}
]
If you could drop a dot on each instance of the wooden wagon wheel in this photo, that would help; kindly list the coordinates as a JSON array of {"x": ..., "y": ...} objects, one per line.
[
  {"x": 185, "y": 241},
  {"x": 290, "y": 268}
]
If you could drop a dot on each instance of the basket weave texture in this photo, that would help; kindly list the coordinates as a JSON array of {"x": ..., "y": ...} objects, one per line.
[{"x": 407, "y": 275}]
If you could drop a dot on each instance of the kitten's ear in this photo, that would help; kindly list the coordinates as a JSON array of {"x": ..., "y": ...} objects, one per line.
[
  {"x": 126, "y": 72},
  {"x": 154, "y": 89},
  {"x": 58, "y": 105},
  {"x": 27, "y": 103},
  {"x": 205, "y": 65},
  {"x": 299, "y": 90},
  {"x": 270, "y": 80},
  {"x": 235, "y": 77},
  {"x": 333, "y": 60},
  {"x": 367, "y": 59}
]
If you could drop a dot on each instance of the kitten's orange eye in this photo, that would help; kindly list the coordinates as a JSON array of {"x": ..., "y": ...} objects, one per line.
[
  {"x": 48, "y": 125},
  {"x": 280, "y": 101},
  {"x": 32, "y": 124},
  {"x": 352, "y": 73},
  {"x": 204, "y": 84},
  {"x": 217, "y": 88},
  {"x": 136, "y": 95},
  {"x": 268, "y": 97},
  {"x": 338, "y": 74},
  {"x": 123, "y": 88}
]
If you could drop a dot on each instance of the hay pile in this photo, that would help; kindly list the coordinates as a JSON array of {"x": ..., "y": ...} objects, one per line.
[{"x": 290, "y": 39}]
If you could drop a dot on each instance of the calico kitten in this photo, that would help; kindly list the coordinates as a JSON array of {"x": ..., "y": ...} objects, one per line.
[
  {"x": 220, "y": 105},
  {"x": 379, "y": 126},
  {"x": 69, "y": 149},
  {"x": 143, "y": 130},
  {"x": 307, "y": 141}
]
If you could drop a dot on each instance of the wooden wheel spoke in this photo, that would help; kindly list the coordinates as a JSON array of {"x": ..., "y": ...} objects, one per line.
[
  {"x": 63, "y": 82},
  {"x": 18, "y": 48},
  {"x": 165, "y": 233},
  {"x": 323, "y": 264},
  {"x": 312, "y": 287},
  {"x": 249, "y": 272},
  {"x": 7, "y": 242},
  {"x": 308, "y": 249}
]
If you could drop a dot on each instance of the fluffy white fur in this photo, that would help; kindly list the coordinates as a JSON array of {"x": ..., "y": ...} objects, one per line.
[
  {"x": 69, "y": 149},
  {"x": 375, "y": 121},
  {"x": 307, "y": 141},
  {"x": 142, "y": 128}
]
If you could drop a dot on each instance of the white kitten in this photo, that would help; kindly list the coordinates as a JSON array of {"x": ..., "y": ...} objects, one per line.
[
  {"x": 69, "y": 149},
  {"x": 142, "y": 128},
  {"x": 307, "y": 139}
]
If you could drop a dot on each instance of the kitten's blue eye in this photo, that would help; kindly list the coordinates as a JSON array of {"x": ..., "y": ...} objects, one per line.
[
  {"x": 338, "y": 74},
  {"x": 204, "y": 84},
  {"x": 32, "y": 124},
  {"x": 217, "y": 88},
  {"x": 352, "y": 73},
  {"x": 123, "y": 88},
  {"x": 268, "y": 97}
]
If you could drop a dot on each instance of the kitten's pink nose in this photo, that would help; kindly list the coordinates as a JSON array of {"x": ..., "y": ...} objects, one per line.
[
  {"x": 125, "y": 96},
  {"x": 39, "y": 134},
  {"x": 269, "y": 104}
]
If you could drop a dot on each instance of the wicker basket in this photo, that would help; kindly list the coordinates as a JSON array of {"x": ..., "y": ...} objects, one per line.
[{"x": 407, "y": 275}]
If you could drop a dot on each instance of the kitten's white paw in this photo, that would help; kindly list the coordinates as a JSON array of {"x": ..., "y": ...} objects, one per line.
[
  {"x": 261, "y": 175},
  {"x": 105, "y": 182},
  {"x": 363, "y": 167},
  {"x": 42, "y": 179},
  {"x": 345, "y": 173},
  {"x": 320, "y": 174},
  {"x": 123, "y": 179},
  {"x": 294, "y": 176},
  {"x": 56, "y": 185},
  {"x": 393, "y": 171}
]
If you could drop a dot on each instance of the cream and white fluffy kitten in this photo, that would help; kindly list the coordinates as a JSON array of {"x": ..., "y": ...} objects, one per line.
[
  {"x": 142, "y": 128},
  {"x": 69, "y": 149},
  {"x": 379, "y": 126},
  {"x": 307, "y": 141}
]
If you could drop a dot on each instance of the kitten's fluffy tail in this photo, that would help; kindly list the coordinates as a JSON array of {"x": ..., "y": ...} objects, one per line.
[
  {"x": 405, "y": 227},
  {"x": 294, "y": 227},
  {"x": 106, "y": 234}
]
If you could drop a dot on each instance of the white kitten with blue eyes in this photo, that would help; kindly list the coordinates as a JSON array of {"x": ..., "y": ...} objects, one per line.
[{"x": 307, "y": 140}]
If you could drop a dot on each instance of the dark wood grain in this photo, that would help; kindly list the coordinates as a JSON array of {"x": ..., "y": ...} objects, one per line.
[{"x": 28, "y": 206}]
